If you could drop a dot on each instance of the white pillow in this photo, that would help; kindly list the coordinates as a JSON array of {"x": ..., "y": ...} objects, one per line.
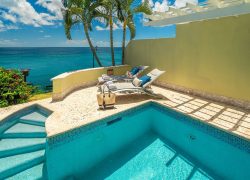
[
  {"x": 137, "y": 82},
  {"x": 129, "y": 75}
]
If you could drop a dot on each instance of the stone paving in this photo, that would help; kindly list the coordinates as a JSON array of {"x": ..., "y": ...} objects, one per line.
[{"x": 80, "y": 108}]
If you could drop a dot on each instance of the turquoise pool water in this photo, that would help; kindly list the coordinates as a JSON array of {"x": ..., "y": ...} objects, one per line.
[
  {"x": 149, "y": 142},
  {"x": 22, "y": 144}
]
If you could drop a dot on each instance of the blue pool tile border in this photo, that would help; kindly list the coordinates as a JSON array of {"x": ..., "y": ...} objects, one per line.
[{"x": 223, "y": 135}]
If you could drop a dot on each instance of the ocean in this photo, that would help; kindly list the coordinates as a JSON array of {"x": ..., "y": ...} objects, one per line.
[{"x": 46, "y": 63}]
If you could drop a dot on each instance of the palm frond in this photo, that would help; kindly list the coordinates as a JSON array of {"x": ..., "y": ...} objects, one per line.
[
  {"x": 69, "y": 21},
  {"x": 67, "y": 24},
  {"x": 143, "y": 8},
  {"x": 131, "y": 27}
]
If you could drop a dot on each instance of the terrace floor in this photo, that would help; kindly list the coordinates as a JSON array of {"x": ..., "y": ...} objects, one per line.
[{"x": 80, "y": 108}]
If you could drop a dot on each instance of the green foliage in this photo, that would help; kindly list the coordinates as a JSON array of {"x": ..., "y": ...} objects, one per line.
[{"x": 13, "y": 89}]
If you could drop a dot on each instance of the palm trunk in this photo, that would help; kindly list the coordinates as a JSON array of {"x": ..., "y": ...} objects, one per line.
[
  {"x": 91, "y": 45},
  {"x": 111, "y": 38},
  {"x": 123, "y": 41}
]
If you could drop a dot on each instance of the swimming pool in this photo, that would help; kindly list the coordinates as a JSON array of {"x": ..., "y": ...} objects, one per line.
[{"x": 148, "y": 142}]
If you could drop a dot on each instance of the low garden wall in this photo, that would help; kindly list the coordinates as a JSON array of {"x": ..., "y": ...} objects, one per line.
[{"x": 68, "y": 82}]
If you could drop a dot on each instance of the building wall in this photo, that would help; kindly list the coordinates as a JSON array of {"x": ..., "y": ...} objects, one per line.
[{"x": 211, "y": 56}]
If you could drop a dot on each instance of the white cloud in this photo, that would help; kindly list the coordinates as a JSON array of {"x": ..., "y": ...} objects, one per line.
[
  {"x": 161, "y": 7},
  {"x": 164, "y": 6},
  {"x": 21, "y": 11},
  {"x": 182, "y": 3},
  {"x": 107, "y": 43},
  {"x": 47, "y": 36},
  {"x": 41, "y": 31},
  {"x": 151, "y": 3},
  {"x": 99, "y": 28},
  {"x": 53, "y": 6},
  {"x": 76, "y": 43},
  {"x": 116, "y": 26},
  {"x": 7, "y": 27},
  {"x": 1, "y": 24},
  {"x": 9, "y": 17},
  {"x": 9, "y": 43}
]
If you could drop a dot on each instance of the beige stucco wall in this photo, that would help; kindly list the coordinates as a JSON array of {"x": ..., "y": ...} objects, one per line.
[
  {"x": 211, "y": 56},
  {"x": 65, "y": 83}
]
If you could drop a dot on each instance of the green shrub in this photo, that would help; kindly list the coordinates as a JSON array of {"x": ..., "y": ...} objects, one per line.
[{"x": 13, "y": 89}]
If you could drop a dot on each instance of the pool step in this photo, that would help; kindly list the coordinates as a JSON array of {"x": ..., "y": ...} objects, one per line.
[
  {"x": 12, "y": 165},
  {"x": 35, "y": 172},
  {"x": 34, "y": 116},
  {"x": 20, "y": 130},
  {"x": 24, "y": 135},
  {"x": 10, "y": 147},
  {"x": 31, "y": 122},
  {"x": 6, "y": 125}
]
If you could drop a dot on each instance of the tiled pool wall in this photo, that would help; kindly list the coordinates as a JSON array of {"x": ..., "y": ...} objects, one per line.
[
  {"x": 242, "y": 144},
  {"x": 89, "y": 143},
  {"x": 68, "y": 136}
]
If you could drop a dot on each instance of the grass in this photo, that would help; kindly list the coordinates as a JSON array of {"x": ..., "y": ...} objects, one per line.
[{"x": 40, "y": 96}]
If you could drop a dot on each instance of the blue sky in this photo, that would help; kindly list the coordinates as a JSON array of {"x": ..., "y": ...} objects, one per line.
[{"x": 38, "y": 23}]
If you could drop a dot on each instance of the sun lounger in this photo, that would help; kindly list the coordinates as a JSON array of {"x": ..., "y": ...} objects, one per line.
[
  {"x": 104, "y": 78},
  {"x": 129, "y": 87}
]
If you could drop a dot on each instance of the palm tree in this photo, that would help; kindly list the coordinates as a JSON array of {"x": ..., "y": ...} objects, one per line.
[
  {"x": 111, "y": 33},
  {"x": 109, "y": 10},
  {"x": 126, "y": 11},
  {"x": 81, "y": 12}
]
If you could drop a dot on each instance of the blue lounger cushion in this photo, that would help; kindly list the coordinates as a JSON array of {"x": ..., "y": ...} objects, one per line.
[
  {"x": 134, "y": 71},
  {"x": 144, "y": 79}
]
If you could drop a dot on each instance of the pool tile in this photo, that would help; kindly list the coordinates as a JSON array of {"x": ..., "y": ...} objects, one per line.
[
  {"x": 184, "y": 109},
  {"x": 212, "y": 108},
  {"x": 191, "y": 106},
  {"x": 170, "y": 103},
  {"x": 208, "y": 112},
  {"x": 202, "y": 115},
  {"x": 216, "y": 106},
  {"x": 232, "y": 114},
  {"x": 223, "y": 124}
]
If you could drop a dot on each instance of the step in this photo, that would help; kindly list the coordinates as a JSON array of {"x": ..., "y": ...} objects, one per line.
[
  {"x": 12, "y": 165},
  {"x": 24, "y": 130},
  {"x": 36, "y": 172},
  {"x": 24, "y": 135},
  {"x": 6, "y": 125},
  {"x": 34, "y": 116},
  {"x": 9, "y": 147},
  {"x": 31, "y": 122}
]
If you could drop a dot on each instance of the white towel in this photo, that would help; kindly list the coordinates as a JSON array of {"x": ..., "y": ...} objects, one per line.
[
  {"x": 109, "y": 82},
  {"x": 112, "y": 87},
  {"x": 105, "y": 77}
]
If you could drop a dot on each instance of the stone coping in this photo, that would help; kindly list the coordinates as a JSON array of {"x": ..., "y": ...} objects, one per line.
[
  {"x": 63, "y": 75},
  {"x": 80, "y": 108}
]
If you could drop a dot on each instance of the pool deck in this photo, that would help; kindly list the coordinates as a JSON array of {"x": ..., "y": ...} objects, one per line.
[{"x": 80, "y": 108}]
